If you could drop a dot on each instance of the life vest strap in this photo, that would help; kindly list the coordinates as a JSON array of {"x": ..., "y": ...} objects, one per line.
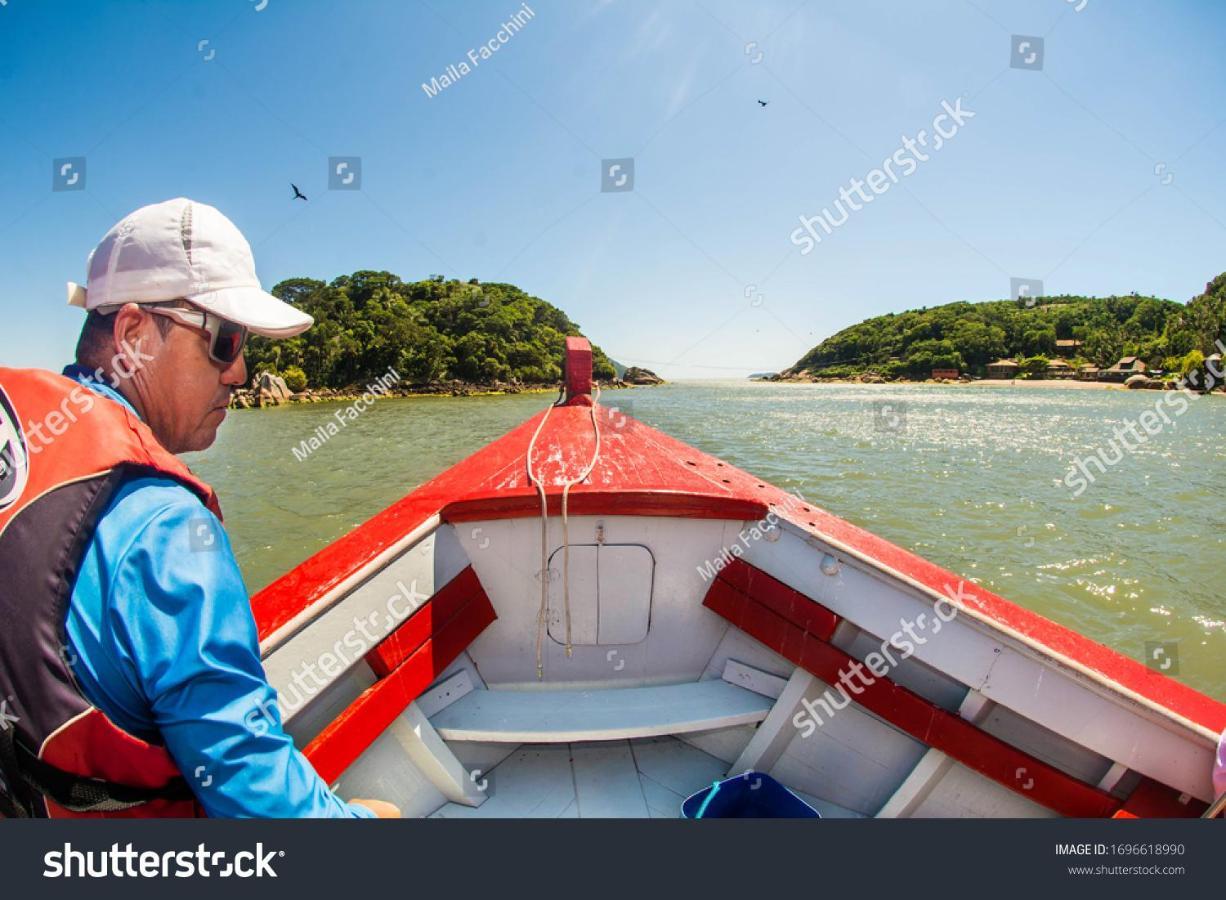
[{"x": 75, "y": 793}]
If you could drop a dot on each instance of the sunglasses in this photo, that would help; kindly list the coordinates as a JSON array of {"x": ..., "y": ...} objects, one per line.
[{"x": 226, "y": 338}]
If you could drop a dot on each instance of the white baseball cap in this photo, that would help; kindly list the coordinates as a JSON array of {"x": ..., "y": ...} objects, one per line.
[{"x": 181, "y": 249}]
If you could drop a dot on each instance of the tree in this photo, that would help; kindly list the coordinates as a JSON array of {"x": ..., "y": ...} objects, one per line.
[
  {"x": 1193, "y": 373},
  {"x": 1039, "y": 339},
  {"x": 1034, "y": 366},
  {"x": 1104, "y": 346},
  {"x": 979, "y": 343},
  {"x": 924, "y": 356},
  {"x": 431, "y": 330},
  {"x": 907, "y": 343},
  {"x": 295, "y": 378}
]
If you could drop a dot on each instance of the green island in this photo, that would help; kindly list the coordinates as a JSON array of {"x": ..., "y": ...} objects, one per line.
[
  {"x": 1086, "y": 338},
  {"x": 436, "y": 335}
]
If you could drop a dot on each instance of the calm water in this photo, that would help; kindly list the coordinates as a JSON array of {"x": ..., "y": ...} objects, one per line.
[{"x": 971, "y": 478}]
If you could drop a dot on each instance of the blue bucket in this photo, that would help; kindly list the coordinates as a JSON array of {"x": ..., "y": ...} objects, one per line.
[{"x": 754, "y": 795}]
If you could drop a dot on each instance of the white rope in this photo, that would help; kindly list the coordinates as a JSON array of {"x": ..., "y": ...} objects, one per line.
[
  {"x": 540, "y": 489},
  {"x": 566, "y": 525},
  {"x": 542, "y": 615}
]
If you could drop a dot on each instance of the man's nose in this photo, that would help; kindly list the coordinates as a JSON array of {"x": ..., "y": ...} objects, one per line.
[{"x": 236, "y": 372}]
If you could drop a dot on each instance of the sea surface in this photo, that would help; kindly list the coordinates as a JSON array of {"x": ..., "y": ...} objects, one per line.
[{"x": 973, "y": 478}]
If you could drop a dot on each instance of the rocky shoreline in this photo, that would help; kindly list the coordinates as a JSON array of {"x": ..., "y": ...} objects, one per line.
[
  {"x": 1136, "y": 382},
  {"x": 271, "y": 390},
  {"x": 865, "y": 378}
]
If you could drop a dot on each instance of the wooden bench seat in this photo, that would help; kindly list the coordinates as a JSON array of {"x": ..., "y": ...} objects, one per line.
[{"x": 544, "y": 716}]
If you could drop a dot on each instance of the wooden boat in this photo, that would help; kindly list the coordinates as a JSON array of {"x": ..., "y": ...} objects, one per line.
[{"x": 698, "y": 623}]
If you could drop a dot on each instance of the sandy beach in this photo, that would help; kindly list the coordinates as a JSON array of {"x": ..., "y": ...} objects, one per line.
[
  {"x": 1036, "y": 383},
  {"x": 985, "y": 382}
]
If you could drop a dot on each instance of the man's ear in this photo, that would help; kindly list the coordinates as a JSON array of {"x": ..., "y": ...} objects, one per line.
[{"x": 133, "y": 334}]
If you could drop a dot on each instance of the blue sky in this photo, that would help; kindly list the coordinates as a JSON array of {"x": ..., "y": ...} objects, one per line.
[{"x": 498, "y": 176}]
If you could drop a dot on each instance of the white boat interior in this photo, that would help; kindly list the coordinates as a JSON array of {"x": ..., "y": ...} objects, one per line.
[{"x": 660, "y": 694}]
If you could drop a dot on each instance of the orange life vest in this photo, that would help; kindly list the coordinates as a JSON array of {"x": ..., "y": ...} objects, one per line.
[{"x": 64, "y": 450}]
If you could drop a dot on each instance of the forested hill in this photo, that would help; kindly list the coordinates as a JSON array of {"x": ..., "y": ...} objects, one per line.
[
  {"x": 968, "y": 336},
  {"x": 428, "y": 331}
]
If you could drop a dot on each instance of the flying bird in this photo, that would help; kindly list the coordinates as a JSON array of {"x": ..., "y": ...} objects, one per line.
[
  {"x": 298, "y": 195},
  {"x": 763, "y": 102}
]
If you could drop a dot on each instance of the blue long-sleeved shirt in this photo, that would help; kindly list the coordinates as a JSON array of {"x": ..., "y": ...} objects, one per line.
[{"x": 162, "y": 639}]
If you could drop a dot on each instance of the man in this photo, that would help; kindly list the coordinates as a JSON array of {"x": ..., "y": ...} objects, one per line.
[{"x": 129, "y": 659}]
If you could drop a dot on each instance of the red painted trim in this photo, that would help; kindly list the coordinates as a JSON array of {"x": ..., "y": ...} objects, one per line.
[
  {"x": 1153, "y": 800},
  {"x": 758, "y": 613},
  {"x": 417, "y": 628},
  {"x": 578, "y": 371},
  {"x": 349, "y": 735},
  {"x": 645, "y": 472},
  {"x": 622, "y": 503},
  {"x": 795, "y": 607}
]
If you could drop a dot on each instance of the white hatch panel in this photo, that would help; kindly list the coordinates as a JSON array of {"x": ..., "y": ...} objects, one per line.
[
  {"x": 584, "y": 605},
  {"x": 610, "y": 594},
  {"x": 624, "y": 594}
]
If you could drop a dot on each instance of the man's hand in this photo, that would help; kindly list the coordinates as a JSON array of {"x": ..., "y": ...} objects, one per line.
[{"x": 381, "y": 808}]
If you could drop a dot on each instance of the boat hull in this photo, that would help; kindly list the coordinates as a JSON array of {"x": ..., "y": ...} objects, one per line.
[{"x": 674, "y": 605}]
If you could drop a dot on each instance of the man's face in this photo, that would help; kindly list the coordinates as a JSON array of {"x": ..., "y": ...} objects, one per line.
[{"x": 181, "y": 392}]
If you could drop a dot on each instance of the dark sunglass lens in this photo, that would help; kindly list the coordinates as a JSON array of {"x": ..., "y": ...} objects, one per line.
[{"x": 229, "y": 343}]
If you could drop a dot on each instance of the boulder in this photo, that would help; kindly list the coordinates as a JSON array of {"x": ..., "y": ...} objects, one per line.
[
  {"x": 1137, "y": 381},
  {"x": 635, "y": 375},
  {"x": 271, "y": 390}
]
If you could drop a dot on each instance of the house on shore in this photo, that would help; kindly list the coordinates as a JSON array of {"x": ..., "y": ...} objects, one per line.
[
  {"x": 947, "y": 374},
  {"x": 1003, "y": 368},
  {"x": 1058, "y": 368},
  {"x": 1124, "y": 369},
  {"x": 1088, "y": 372}
]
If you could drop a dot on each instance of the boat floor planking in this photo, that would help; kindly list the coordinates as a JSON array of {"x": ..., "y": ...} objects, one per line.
[{"x": 641, "y": 778}]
